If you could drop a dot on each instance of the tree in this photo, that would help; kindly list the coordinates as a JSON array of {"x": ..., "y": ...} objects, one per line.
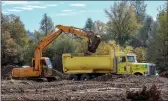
[
  {"x": 15, "y": 27},
  {"x": 9, "y": 50},
  {"x": 162, "y": 42},
  {"x": 29, "y": 33},
  {"x": 89, "y": 25},
  {"x": 157, "y": 50},
  {"x": 99, "y": 27},
  {"x": 29, "y": 53},
  {"x": 37, "y": 36},
  {"x": 2, "y": 18},
  {"x": 46, "y": 24},
  {"x": 141, "y": 54},
  {"x": 140, "y": 10},
  {"x": 123, "y": 23},
  {"x": 151, "y": 48},
  {"x": 14, "y": 39},
  {"x": 145, "y": 30}
]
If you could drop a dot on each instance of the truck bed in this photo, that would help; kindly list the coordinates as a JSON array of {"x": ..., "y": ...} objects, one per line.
[{"x": 87, "y": 64}]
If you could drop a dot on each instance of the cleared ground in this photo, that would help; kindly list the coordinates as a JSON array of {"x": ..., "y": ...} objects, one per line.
[{"x": 107, "y": 87}]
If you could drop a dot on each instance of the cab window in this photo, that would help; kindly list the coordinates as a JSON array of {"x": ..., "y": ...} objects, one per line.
[
  {"x": 131, "y": 58},
  {"x": 122, "y": 59},
  {"x": 43, "y": 63}
]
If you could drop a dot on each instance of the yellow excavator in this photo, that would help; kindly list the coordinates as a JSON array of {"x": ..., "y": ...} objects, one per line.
[{"x": 42, "y": 66}]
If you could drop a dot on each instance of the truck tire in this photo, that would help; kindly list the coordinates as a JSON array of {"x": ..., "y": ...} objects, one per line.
[
  {"x": 73, "y": 77},
  {"x": 138, "y": 74},
  {"x": 85, "y": 77}
]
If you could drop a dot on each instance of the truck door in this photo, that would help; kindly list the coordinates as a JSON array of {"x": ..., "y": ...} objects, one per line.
[{"x": 122, "y": 69}]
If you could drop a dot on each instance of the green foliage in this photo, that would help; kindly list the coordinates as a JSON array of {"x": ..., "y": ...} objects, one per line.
[
  {"x": 146, "y": 21},
  {"x": 140, "y": 10},
  {"x": 46, "y": 24},
  {"x": 122, "y": 22},
  {"x": 37, "y": 36},
  {"x": 141, "y": 53},
  {"x": 151, "y": 43},
  {"x": 99, "y": 27},
  {"x": 81, "y": 46},
  {"x": 158, "y": 42},
  {"x": 128, "y": 49},
  {"x": 162, "y": 42},
  {"x": 89, "y": 25},
  {"x": 145, "y": 30},
  {"x": 14, "y": 26},
  {"x": 29, "y": 52},
  {"x": 107, "y": 48},
  {"x": 14, "y": 40},
  {"x": 8, "y": 48}
]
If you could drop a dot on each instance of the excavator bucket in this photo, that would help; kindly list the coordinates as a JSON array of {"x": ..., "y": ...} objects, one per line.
[{"x": 93, "y": 43}]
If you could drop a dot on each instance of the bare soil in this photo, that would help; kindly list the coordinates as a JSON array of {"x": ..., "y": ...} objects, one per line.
[
  {"x": 6, "y": 71},
  {"x": 106, "y": 87}
]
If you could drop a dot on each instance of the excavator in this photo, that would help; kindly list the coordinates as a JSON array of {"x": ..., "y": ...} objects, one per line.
[{"x": 41, "y": 67}]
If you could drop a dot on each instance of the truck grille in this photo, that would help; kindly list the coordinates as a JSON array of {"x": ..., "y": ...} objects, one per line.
[{"x": 152, "y": 69}]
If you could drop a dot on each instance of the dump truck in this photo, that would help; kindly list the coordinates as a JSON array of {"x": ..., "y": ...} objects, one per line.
[
  {"x": 41, "y": 67},
  {"x": 88, "y": 67}
]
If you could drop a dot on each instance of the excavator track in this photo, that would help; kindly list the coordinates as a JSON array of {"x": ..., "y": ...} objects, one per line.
[
  {"x": 45, "y": 79},
  {"x": 40, "y": 79}
]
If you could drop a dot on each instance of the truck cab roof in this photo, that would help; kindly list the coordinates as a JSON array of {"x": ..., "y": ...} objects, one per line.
[
  {"x": 131, "y": 54},
  {"x": 125, "y": 54}
]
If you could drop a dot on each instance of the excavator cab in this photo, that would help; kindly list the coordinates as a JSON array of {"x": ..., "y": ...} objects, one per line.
[{"x": 46, "y": 66}]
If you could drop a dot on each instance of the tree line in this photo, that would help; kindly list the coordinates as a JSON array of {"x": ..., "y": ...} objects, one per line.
[{"x": 129, "y": 28}]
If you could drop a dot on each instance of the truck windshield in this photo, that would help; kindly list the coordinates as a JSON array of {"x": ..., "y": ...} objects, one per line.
[
  {"x": 131, "y": 59},
  {"x": 49, "y": 63}
]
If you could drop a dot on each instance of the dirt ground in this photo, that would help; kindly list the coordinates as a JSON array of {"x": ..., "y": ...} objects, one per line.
[{"x": 107, "y": 87}]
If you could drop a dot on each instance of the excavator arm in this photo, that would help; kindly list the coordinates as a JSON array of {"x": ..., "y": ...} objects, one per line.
[{"x": 52, "y": 35}]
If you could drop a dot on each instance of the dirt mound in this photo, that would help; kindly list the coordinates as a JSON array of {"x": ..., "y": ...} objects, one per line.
[
  {"x": 109, "y": 77},
  {"x": 131, "y": 79},
  {"x": 152, "y": 94},
  {"x": 114, "y": 88},
  {"x": 164, "y": 74},
  {"x": 142, "y": 79},
  {"x": 6, "y": 71}
]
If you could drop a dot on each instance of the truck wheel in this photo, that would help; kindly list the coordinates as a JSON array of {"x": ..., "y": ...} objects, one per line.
[
  {"x": 138, "y": 74},
  {"x": 85, "y": 77},
  {"x": 73, "y": 77}
]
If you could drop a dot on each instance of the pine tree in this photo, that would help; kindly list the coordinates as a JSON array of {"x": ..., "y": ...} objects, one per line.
[
  {"x": 89, "y": 25},
  {"x": 46, "y": 24}
]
